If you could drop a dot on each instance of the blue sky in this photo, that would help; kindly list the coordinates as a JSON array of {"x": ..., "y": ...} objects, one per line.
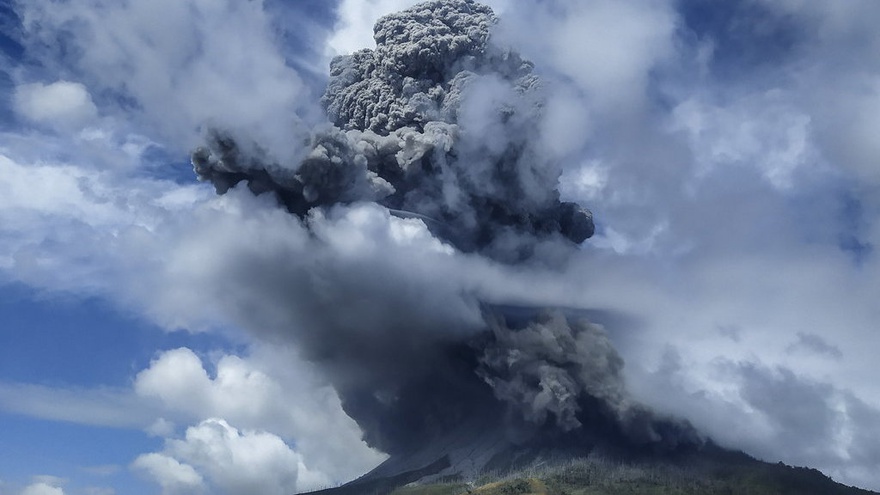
[{"x": 728, "y": 151}]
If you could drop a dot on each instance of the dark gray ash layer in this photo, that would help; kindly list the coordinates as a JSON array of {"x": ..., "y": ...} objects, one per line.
[
  {"x": 435, "y": 121},
  {"x": 439, "y": 124}
]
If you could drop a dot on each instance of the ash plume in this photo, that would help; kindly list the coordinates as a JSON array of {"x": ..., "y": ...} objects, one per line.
[
  {"x": 543, "y": 368},
  {"x": 437, "y": 125},
  {"x": 402, "y": 136}
]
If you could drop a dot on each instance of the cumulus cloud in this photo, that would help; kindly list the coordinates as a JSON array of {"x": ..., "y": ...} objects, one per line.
[
  {"x": 760, "y": 130},
  {"x": 66, "y": 191},
  {"x": 216, "y": 456},
  {"x": 63, "y": 103},
  {"x": 180, "y": 65},
  {"x": 267, "y": 391},
  {"x": 100, "y": 209},
  {"x": 258, "y": 397},
  {"x": 608, "y": 49},
  {"x": 173, "y": 476}
]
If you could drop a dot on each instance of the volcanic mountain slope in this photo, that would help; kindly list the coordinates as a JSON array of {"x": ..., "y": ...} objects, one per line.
[
  {"x": 478, "y": 442},
  {"x": 709, "y": 471}
]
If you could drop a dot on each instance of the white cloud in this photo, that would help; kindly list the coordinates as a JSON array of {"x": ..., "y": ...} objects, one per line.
[
  {"x": 161, "y": 428},
  {"x": 607, "y": 48},
  {"x": 230, "y": 461},
  {"x": 177, "y": 377},
  {"x": 99, "y": 407},
  {"x": 62, "y": 104},
  {"x": 354, "y": 29},
  {"x": 173, "y": 476},
  {"x": 48, "y": 479},
  {"x": 833, "y": 72},
  {"x": 270, "y": 392},
  {"x": 110, "y": 145},
  {"x": 65, "y": 191},
  {"x": 585, "y": 182},
  {"x": 355, "y": 20},
  {"x": 239, "y": 462},
  {"x": 288, "y": 403},
  {"x": 43, "y": 487},
  {"x": 66, "y": 227},
  {"x": 184, "y": 64},
  {"x": 762, "y": 131}
]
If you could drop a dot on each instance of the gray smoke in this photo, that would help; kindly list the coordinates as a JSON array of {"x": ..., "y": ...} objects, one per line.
[
  {"x": 403, "y": 136},
  {"x": 437, "y": 124},
  {"x": 545, "y": 367}
]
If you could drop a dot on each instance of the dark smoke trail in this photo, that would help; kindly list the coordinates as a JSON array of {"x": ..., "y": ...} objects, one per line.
[{"x": 439, "y": 124}]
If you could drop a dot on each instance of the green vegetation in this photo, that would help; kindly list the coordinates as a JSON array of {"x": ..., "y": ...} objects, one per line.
[
  {"x": 741, "y": 476},
  {"x": 439, "y": 489}
]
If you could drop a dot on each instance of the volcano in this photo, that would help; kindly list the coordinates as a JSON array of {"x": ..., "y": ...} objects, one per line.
[
  {"x": 434, "y": 136},
  {"x": 711, "y": 470},
  {"x": 487, "y": 448}
]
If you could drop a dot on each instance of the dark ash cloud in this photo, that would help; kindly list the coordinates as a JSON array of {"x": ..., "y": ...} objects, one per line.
[
  {"x": 437, "y": 125},
  {"x": 436, "y": 122}
]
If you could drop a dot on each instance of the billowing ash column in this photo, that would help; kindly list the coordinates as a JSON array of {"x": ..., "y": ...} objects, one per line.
[{"x": 437, "y": 123}]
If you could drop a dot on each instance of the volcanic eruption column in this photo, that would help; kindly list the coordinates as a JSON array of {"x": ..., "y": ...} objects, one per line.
[{"x": 441, "y": 125}]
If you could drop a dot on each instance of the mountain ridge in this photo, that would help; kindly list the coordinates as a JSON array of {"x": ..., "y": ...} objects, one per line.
[{"x": 711, "y": 470}]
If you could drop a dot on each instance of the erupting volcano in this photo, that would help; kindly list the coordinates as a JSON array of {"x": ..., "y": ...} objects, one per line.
[{"x": 435, "y": 130}]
